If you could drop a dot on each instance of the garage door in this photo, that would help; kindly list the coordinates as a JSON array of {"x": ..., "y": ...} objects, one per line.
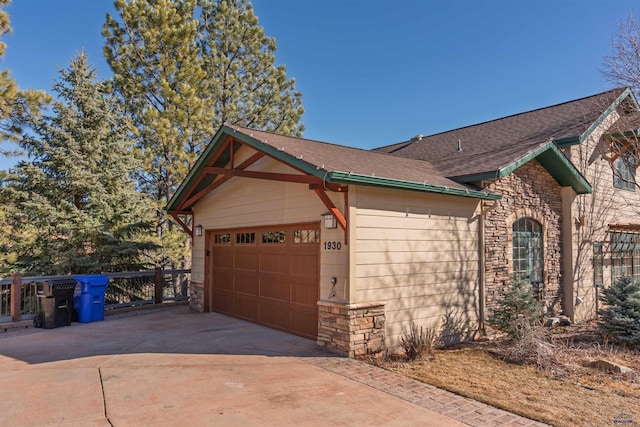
[{"x": 267, "y": 275}]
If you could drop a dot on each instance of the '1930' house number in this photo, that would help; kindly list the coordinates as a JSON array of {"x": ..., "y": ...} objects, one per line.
[{"x": 332, "y": 246}]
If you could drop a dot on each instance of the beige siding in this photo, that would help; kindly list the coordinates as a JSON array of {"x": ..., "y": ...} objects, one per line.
[
  {"x": 245, "y": 202},
  {"x": 418, "y": 253},
  {"x": 594, "y": 212}
]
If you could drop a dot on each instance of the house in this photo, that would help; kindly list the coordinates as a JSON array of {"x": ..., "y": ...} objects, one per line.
[{"x": 349, "y": 246}]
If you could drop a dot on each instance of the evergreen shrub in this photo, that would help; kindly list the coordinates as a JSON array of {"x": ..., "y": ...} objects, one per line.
[
  {"x": 516, "y": 303},
  {"x": 620, "y": 316}
]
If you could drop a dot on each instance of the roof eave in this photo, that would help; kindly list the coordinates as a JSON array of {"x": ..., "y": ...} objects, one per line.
[
  {"x": 195, "y": 170},
  {"x": 336, "y": 177},
  {"x": 349, "y": 178},
  {"x": 627, "y": 93},
  {"x": 217, "y": 140},
  {"x": 551, "y": 158},
  {"x": 568, "y": 142}
]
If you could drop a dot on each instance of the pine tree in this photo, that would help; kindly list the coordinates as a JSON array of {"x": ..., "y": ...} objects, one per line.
[
  {"x": 15, "y": 104},
  {"x": 621, "y": 312},
  {"x": 244, "y": 85},
  {"x": 75, "y": 206},
  {"x": 158, "y": 74},
  {"x": 182, "y": 78}
]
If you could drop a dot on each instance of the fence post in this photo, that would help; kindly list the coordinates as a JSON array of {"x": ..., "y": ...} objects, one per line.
[
  {"x": 158, "y": 287},
  {"x": 16, "y": 297}
]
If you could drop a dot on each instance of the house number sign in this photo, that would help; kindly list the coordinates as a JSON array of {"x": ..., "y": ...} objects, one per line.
[{"x": 332, "y": 246}]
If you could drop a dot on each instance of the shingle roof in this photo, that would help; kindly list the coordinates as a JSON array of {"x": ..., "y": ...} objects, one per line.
[
  {"x": 331, "y": 163},
  {"x": 494, "y": 145},
  {"x": 434, "y": 163},
  {"x": 338, "y": 158}
]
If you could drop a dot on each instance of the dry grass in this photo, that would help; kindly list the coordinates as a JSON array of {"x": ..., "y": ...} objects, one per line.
[{"x": 562, "y": 392}]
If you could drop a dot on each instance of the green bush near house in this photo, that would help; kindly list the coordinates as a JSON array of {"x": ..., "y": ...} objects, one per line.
[
  {"x": 620, "y": 317},
  {"x": 516, "y": 303}
]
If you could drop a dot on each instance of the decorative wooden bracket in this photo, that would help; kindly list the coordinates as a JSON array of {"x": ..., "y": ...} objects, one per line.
[
  {"x": 224, "y": 174},
  {"x": 618, "y": 151},
  {"x": 182, "y": 224},
  {"x": 342, "y": 221},
  {"x": 287, "y": 177},
  {"x": 200, "y": 194}
]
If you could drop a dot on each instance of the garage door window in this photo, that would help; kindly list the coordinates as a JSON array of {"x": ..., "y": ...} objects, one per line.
[
  {"x": 245, "y": 238},
  {"x": 306, "y": 236},
  {"x": 273, "y": 237},
  {"x": 222, "y": 239}
]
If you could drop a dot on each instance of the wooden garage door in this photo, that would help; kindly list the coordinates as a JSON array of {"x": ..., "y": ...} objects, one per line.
[{"x": 267, "y": 275}]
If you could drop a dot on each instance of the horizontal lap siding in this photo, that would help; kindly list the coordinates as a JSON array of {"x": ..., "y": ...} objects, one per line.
[
  {"x": 243, "y": 202},
  {"x": 606, "y": 205},
  {"x": 419, "y": 254}
]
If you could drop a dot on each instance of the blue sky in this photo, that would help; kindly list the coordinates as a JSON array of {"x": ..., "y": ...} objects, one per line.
[{"x": 377, "y": 72}]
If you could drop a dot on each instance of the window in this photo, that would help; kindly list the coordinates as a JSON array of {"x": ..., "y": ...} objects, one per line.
[
  {"x": 273, "y": 236},
  {"x": 624, "y": 172},
  {"x": 222, "y": 239},
  {"x": 306, "y": 236},
  {"x": 625, "y": 162},
  {"x": 528, "y": 251},
  {"x": 625, "y": 255},
  {"x": 245, "y": 238},
  {"x": 598, "y": 265}
]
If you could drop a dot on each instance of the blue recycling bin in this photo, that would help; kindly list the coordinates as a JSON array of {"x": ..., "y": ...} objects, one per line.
[{"x": 88, "y": 300}]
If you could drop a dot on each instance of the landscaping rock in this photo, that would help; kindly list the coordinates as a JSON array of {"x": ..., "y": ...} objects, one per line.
[
  {"x": 557, "y": 321},
  {"x": 606, "y": 366}
]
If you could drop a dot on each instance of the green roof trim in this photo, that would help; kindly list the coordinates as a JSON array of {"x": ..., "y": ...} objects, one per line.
[
  {"x": 579, "y": 139},
  {"x": 552, "y": 159},
  {"x": 567, "y": 142},
  {"x": 336, "y": 177},
  {"x": 277, "y": 154},
  {"x": 625, "y": 94},
  {"x": 357, "y": 179},
  {"x": 195, "y": 170}
]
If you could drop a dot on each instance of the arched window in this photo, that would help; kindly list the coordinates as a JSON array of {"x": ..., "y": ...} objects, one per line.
[{"x": 528, "y": 252}]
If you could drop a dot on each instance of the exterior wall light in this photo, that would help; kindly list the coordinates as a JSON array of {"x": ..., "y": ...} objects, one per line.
[
  {"x": 198, "y": 230},
  {"x": 330, "y": 220}
]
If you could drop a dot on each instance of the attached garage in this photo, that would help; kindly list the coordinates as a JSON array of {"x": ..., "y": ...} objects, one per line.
[
  {"x": 350, "y": 247},
  {"x": 344, "y": 246},
  {"x": 267, "y": 275}
]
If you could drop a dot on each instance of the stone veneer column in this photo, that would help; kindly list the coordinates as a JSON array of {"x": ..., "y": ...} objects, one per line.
[
  {"x": 196, "y": 296},
  {"x": 351, "y": 329}
]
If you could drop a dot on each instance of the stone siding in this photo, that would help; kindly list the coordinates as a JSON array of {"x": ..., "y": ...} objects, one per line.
[
  {"x": 531, "y": 192},
  {"x": 351, "y": 329},
  {"x": 196, "y": 296}
]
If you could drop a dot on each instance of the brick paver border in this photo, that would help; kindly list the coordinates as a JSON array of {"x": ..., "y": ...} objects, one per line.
[{"x": 465, "y": 410}]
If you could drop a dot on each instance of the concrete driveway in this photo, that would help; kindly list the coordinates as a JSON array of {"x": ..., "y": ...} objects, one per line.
[{"x": 171, "y": 367}]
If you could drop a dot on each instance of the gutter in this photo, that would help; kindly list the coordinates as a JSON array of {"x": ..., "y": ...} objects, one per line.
[{"x": 357, "y": 179}]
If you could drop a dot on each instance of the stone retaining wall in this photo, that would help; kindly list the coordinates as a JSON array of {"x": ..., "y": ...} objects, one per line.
[{"x": 351, "y": 329}]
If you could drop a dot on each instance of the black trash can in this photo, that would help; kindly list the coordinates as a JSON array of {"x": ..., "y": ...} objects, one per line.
[{"x": 55, "y": 303}]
